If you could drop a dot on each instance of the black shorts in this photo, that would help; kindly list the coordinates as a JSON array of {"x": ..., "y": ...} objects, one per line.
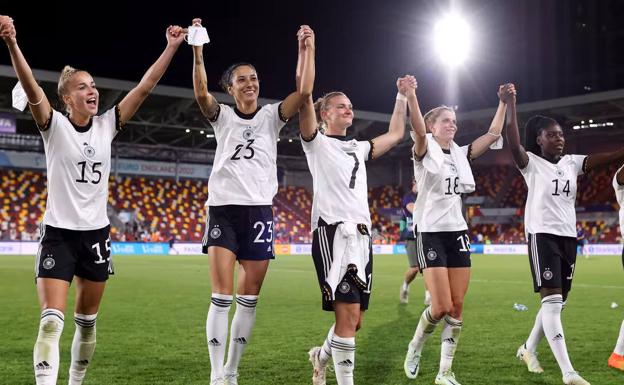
[
  {"x": 444, "y": 249},
  {"x": 552, "y": 258},
  {"x": 350, "y": 289},
  {"x": 64, "y": 253},
  {"x": 246, "y": 231}
]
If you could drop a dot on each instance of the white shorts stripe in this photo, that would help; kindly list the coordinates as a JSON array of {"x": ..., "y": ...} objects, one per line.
[
  {"x": 535, "y": 258},
  {"x": 325, "y": 252},
  {"x": 421, "y": 254},
  {"x": 42, "y": 229}
]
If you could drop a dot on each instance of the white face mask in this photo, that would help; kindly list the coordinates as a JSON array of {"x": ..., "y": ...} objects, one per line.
[{"x": 197, "y": 35}]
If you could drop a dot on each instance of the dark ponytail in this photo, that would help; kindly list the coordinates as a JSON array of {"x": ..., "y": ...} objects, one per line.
[
  {"x": 226, "y": 77},
  {"x": 532, "y": 129}
]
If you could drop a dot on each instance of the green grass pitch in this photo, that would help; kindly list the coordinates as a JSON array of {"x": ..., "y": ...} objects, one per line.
[{"x": 151, "y": 326}]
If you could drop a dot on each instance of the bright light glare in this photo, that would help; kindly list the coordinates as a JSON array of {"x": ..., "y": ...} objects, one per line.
[{"x": 452, "y": 40}]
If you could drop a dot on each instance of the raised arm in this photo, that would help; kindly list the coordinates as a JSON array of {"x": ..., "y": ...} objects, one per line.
[
  {"x": 604, "y": 159},
  {"x": 620, "y": 176},
  {"x": 483, "y": 143},
  {"x": 419, "y": 129},
  {"x": 208, "y": 104},
  {"x": 304, "y": 74},
  {"x": 518, "y": 152},
  {"x": 37, "y": 100},
  {"x": 307, "y": 119},
  {"x": 131, "y": 103},
  {"x": 396, "y": 131}
]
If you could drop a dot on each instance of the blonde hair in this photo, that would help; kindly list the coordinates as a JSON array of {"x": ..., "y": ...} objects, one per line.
[
  {"x": 431, "y": 116},
  {"x": 66, "y": 74},
  {"x": 321, "y": 105}
]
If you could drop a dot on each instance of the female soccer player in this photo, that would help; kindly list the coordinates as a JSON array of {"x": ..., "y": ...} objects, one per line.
[
  {"x": 242, "y": 185},
  {"x": 616, "y": 360},
  {"x": 550, "y": 224},
  {"x": 408, "y": 234},
  {"x": 341, "y": 245},
  {"x": 75, "y": 240},
  {"x": 443, "y": 173}
]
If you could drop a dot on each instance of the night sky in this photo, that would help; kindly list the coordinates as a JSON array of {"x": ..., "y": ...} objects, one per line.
[{"x": 549, "y": 48}]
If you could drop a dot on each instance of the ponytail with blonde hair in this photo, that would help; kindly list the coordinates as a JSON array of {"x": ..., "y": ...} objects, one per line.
[
  {"x": 66, "y": 74},
  {"x": 321, "y": 104}
]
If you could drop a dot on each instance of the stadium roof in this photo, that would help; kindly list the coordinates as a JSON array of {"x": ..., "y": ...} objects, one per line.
[{"x": 158, "y": 130}]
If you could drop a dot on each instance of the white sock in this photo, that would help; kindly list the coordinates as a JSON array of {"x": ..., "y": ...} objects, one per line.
[
  {"x": 449, "y": 338},
  {"x": 619, "y": 347},
  {"x": 240, "y": 334},
  {"x": 405, "y": 286},
  {"x": 425, "y": 328},
  {"x": 217, "y": 331},
  {"x": 343, "y": 353},
  {"x": 46, "y": 352},
  {"x": 326, "y": 352},
  {"x": 553, "y": 330},
  {"x": 83, "y": 347},
  {"x": 537, "y": 333}
]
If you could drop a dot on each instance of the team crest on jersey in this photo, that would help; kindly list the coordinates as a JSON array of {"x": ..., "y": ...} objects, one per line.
[
  {"x": 248, "y": 133},
  {"x": 48, "y": 263},
  {"x": 559, "y": 173},
  {"x": 344, "y": 287},
  {"x": 88, "y": 150},
  {"x": 215, "y": 233},
  {"x": 547, "y": 275},
  {"x": 432, "y": 255},
  {"x": 453, "y": 169}
]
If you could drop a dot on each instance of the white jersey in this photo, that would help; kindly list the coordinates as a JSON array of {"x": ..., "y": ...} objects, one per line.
[
  {"x": 244, "y": 171},
  {"x": 619, "y": 195},
  {"x": 438, "y": 205},
  {"x": 339, "y": 177},
  {"x": 78, "y": 161},
  {"x": 552, "y": 194}
]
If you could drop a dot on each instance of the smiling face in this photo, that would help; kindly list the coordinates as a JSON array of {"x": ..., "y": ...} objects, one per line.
[
  {"x": 551, "y": 140},
  {"x": 338, "y": 113},
  {"x": 244, "y": 84},
  {"x": 444, "y": 126},
  {"x": 80, "y": 95}
]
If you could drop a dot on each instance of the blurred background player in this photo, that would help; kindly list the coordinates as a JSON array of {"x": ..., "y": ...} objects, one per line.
[
  {"x": 581, "y": 241},
  {"x": 408, "y": 234},
  {"x": 550, "y": 220},
  {"x": 242, "y": 184},
  {"x": 616, "y": 360},
  {"x": 75, "y": 240}
]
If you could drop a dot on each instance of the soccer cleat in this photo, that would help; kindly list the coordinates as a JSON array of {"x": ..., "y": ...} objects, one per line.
[
  {"x": 230, "y": 379},
  {"x": 427, "y": 300},
  {"x": 573, "y": 378},
  {"x": 412, "y": 362},
  {"x": 218, "y": 381},
  {"x": 403, "y": 296},
  {"x": 530, "y": 359},
  {"x": 318, "y": 372},
  {"x": 446, "y": 378},
  {"x": 616, "y": 361}
]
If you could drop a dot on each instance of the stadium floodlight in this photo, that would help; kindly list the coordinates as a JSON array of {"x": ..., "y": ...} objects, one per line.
[
  {"x": 188, "y": 130},
  {"x": 452, "y": 39}
]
